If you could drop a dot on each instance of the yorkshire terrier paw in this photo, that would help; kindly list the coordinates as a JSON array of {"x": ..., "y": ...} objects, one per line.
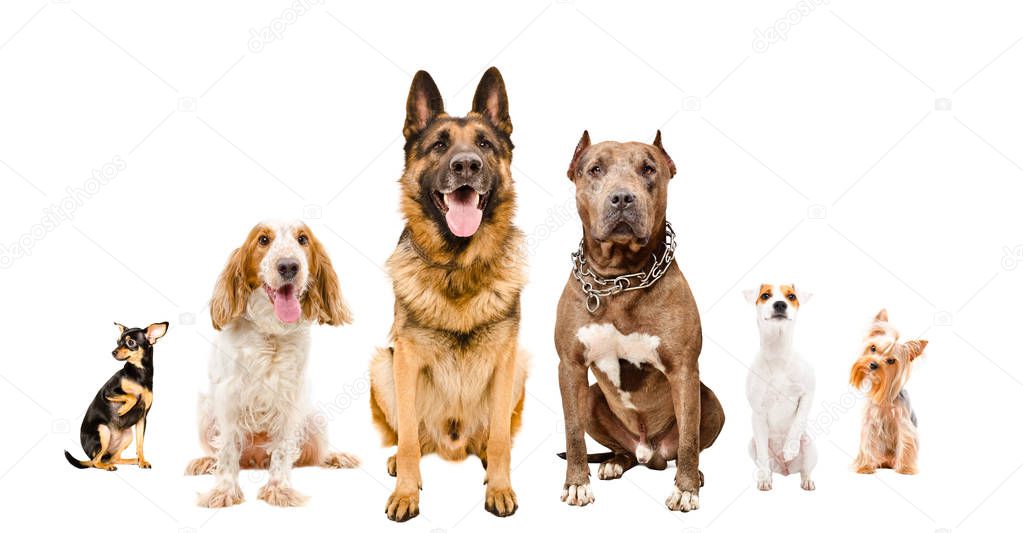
[
  {"x": 906, "y": 470},
  {"x": 221, "y": 497},
  {"x": 501, "y": 502},
  {"x": 683, "y": 500},
  {"x": 281, "y": 496},
  {"x": 866, "y": 469},
  {"x": 577, "y": 495},
  {"x": 341, "y": 460}
]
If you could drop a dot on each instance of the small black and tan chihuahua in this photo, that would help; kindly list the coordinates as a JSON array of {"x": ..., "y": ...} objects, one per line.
[{"x": 122, "y": 403}]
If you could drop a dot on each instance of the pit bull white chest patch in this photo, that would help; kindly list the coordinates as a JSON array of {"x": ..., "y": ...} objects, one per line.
[{"x": 606, "y": 347}]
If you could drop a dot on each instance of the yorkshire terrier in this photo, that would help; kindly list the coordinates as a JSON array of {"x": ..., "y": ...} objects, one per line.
[{"x": 889, "y": 437}]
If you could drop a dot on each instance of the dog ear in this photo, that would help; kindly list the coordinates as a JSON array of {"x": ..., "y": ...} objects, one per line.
[
  {"x": 155, "y": 331},
  {"x": 424, "y": 104},
  {"x": 120, "y": 329},
  {"x": 882, "y": 316},
  {"x": 584, "y": 143},
  {"x": 751, "y": 295},
  {"x": 491, "y": 100},
  {"x": 323, "y": 301},
  {"x": 915, "y": 348},
  {"x": 671, "y": 164},
  {"x": 229, "y": 294}
]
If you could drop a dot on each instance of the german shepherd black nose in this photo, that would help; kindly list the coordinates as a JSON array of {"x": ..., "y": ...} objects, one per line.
[{"x": 466, "y": 165}]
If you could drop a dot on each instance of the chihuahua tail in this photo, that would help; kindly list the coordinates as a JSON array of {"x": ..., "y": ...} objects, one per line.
[
  {"x": 75, "y": 462},
  {"x": 593, "y": 457}
]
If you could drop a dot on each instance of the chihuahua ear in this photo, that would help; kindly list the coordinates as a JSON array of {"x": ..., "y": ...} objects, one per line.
[
  {"x": 882, "y": 316},
  {"x": 915, "y": 348},
  {"x": 751, "y": 295},
  {"x": 120, "y": 329},
  {"x": 580, "y": 147},
  {"x": 671, "y": 164},
  {"x": 155, "y": 331}
]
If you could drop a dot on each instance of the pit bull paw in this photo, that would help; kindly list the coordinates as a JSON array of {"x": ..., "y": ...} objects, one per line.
[
  {"x": 402, "y": 505},
  {"x": 392, "y": 466},
  {"x": 808, "y": 484},
  {"x": 340, "y": 460},
  {"x": 578, "y": 495},
  {"x": 610, "y": 470},
  {"x": 683, "y": 500},
  {"x": 501, "y": 502},
  {"x": 281, "y": 496},
  {"x": 200, "y": 466},
  {"x": 221, "y": 497}
]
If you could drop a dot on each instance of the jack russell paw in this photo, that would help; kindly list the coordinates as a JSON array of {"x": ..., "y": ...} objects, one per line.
[{"x": 577, "y": 495}]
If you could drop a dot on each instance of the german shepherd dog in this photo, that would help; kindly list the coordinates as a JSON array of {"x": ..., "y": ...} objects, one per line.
[{"x": 452, "y": 380}]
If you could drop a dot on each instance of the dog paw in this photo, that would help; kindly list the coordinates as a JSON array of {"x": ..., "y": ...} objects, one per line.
[
  {"x": 341, "y": 460},
  {"x": 765, "y": 485},
  {"x": 402, "y": 505},
  {"x": 865, "y": 469},
  {"x": 221, "y": 497},
  {"x": 610, "y": 470},
  {"x": 578, "y": 495},
  {"x": 501, "y": 502},
  {"x": 281, "y": 496},
  {"x": 683, "y": 500},
  {"x": 808, "y": 484},
  {"x": 906, "y": 470},
  {"x": 109, "y": 468},
  {"x": 200, "y": 466},
  {"x": 392, "y": 466},
  {"x": 145, "y": 464}
]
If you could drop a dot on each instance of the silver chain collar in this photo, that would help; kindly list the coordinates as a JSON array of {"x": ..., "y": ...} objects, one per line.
[{"x": 596, "y": 287}]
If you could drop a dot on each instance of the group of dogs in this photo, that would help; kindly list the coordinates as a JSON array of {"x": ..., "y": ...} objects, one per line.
[{"x": 451, "y": 381}]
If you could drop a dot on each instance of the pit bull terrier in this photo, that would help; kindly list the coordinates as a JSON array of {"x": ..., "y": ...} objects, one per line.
[{"x": 627, "y": 314}]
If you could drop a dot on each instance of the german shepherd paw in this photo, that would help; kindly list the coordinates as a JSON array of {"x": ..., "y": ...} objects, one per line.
[
  {"x": 683, "y": 500},
  {"x": 200, "y": 466},
  {"x": 221, "y": 497},
  {"x": 281, "y": 496},
  {"x": 402, "y": 505},
  {"x": 501, "y": 502},
  {"x": 340, "y": 460},
  {"x": 580, "y": 495}
]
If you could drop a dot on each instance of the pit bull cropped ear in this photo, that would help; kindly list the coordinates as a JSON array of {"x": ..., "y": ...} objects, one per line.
[
  {"x": 915, "y": 348},
  {"x": 120, "y": 329},
  {"x": 155, "y": 331},
  {"x": 584, "y": 143},
  {"x": 491, "y": 100},
  {"x": 671, "y": 164},
  {"x": 424, "y": 104},
  {"x": 882, "y": 316},
  {"x": 751, "y": 295}
]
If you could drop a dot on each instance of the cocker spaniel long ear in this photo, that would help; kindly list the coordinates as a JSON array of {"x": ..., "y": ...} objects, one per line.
[
  {"x": 230, "y": 293},
  {"x": 323, "y": 300}
]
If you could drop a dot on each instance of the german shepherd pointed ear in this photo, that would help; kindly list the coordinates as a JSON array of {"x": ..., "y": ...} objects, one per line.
[
  {"x": 424, "y": 104},
  {"x": 491, "y": 100},
  {"x": 671, "y": 164},
  {"x": 584, "y": 143}
]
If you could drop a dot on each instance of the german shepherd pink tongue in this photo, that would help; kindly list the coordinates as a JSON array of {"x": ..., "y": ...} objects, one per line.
[
  {"x": 286, "y": 305},
  {"x": 464, "y": 213}
]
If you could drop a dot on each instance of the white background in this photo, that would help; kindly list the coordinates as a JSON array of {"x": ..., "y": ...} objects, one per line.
[{"x": 828, "y": 160}]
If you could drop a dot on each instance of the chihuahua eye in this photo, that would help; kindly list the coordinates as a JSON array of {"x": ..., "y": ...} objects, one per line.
[
  {"x": 873, "y": 349},
  {"x": 303, "y": 240},
  {"x": 130, "y": 343},
  {"x": 648, "y": 170},
  {"x": 792, "y": 297},
  {"x": 484, "y": 144},
  {"x": 765, "y": 296},
  {"x": 439, "y": 146},
  {"x": 264, "y": 240},
  {"x": 596, "y": 170},
  {"x": 890, "y": 360}
]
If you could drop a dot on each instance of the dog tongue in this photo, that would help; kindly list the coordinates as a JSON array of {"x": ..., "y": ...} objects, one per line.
[
  {"x": 286, "y": 305},
  {"x": 464, "y": 215}
]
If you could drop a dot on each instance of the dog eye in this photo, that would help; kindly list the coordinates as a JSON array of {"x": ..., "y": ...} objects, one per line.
[
  {"x": 873, "y": 349},
  {"x": 485, "y": 144},
  {"x": 264, "y": 240},
  {"x": 439, "y": 146},
  {"x": 792, "y": 297},
  {"x": 595, "y": 170},
  {"x": 303, "y": 240},
  {"x": 890, "y": 360},
  {"x": 131, "y": 343},
  {"x": 648, "y": 170},
  {"x": 765, "y": 296}
]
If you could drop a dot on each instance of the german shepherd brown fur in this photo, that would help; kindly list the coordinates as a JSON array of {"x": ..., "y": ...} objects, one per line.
[{"x": 452, "y": 380}]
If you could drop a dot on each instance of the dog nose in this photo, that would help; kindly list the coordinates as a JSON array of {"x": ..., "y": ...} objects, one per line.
[
  {"x": 287, "y": 268},
  {"x": 780, "y": 306},
  {"x": 466, "y": 165},
  {"x": 621, "y": 199},
  {"x": 872, "y": 365}
]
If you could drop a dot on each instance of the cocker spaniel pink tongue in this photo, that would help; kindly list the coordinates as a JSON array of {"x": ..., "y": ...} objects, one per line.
[
  {"x": 464, "y": 214},
  {"x": 286, "y": 305}
]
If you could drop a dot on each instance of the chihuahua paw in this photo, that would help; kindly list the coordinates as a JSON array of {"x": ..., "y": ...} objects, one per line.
[
  {"x": 145, "y": 464},
  {"x": 501, "y": 502},
  {"x": 683, "y": 500},
  {"x": 577, "y": 495},
  {"x": 221, "y": 497},
  {"x": 281, "y": 496},
  {"x": 341, "y": 460}
]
